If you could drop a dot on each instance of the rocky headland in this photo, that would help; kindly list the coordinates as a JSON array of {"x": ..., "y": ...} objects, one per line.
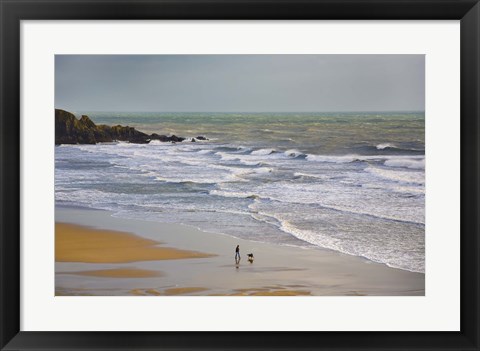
[{"x": 70, "y": 130}]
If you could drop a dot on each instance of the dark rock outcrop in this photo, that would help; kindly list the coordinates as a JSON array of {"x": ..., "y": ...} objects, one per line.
[
  {"x": 201, "y": 137},
  {"x": 70, "y": 130},
  {"x": 172, "y": 138}
]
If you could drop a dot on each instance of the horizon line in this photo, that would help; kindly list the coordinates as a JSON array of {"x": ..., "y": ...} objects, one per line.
[{"x": 177, "y": 111}]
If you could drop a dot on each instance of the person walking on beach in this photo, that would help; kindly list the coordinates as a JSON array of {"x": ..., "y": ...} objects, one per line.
[{"x": 237, "y": 253}]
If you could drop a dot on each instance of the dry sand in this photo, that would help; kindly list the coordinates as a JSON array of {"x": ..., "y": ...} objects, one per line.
[{"x": 74, "y": 243}]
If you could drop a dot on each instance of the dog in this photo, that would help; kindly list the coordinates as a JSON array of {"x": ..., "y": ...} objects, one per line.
[{"x": 250, "y": 257}]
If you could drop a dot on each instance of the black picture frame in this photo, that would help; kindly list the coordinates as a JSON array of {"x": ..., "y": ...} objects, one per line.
[{"x": 12, "y": 12}]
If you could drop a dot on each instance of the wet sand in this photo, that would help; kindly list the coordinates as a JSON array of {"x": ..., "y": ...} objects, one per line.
[
  {"x": 98, "y": 254},
  {"x": 168, "y": 292},
  {"x": 119, "y": 273}
]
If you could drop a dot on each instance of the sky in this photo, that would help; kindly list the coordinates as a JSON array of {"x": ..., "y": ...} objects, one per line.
[{"x": 240, "y": 83}]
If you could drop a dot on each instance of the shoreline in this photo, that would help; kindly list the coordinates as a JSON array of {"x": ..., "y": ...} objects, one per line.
[
  {"x": 307, "y": 247},
  {"x": 277, "y": 270}
]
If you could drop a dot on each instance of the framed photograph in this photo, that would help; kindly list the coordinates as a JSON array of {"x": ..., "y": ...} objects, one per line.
[{"x": 239, "y": 175}]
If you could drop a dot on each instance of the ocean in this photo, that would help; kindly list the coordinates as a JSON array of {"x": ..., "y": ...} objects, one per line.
[{"x": 349, "y": 182}]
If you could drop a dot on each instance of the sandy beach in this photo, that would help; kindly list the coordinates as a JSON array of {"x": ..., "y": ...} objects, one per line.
[
  {"x": 74, "y": 243},
  {"x": 100, "y": 254}
]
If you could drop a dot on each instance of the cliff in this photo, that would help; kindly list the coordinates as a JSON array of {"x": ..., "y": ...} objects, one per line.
[{"x": 70, "y": 130}]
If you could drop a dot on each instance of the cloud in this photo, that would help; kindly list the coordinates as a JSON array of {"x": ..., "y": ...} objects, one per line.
[{"x": 197, "y": 83}]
